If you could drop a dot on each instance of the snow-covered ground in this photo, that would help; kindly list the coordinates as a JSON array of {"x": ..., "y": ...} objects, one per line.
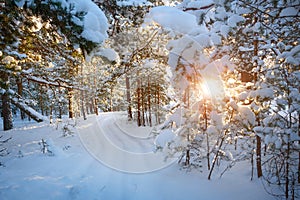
[{"x": 89, "y": 165}]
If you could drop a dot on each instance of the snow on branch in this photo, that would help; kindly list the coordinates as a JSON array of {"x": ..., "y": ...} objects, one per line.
[
  {"x": 201, "y": 8},
  {"x": 55, "y": 82},
  {"x": 28, "y": 110}
]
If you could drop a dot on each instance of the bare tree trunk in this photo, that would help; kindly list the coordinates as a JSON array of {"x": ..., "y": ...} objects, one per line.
[
  {"x": 6, "y": 108},
  {"x": 70, "y": 100},
  {"x": 158, "y": 103},
  {"x": 111, "y": 100},
  {"x": 143, "y": 105},
  {"x": 258, "y": 152},
  {"x": 128, "y": 96},
  {"x": 258, "y": 157},
  {"x": 20, "y": 93},
  {"x": 258, "y": 139},
  {"x": 187, "y": 157},
  {"x": 95, "y": 95},
  {"x": 92, "y": 106},
  {"x": 82, "y": 105},
  {"x": 6, "y": 112},
  {"x": 139, "y": 121},
  {"x": 287, "y": 170},
  {"x": 96, "y": 106},
  {"x": 186, "y": 100},
  {"x": 87, "y": 103},
  {"x": 41, "y": 100},
  {"x": 82, "y": 95},
  {"x": 252, "y": 161},
  {"x": 59, "y": 103},
  {"x": 149, "y": 102},
  {"x": 207, "y": 136},
  {"x": 215, "y": 158},
  {"x": 51, "y": 113}
]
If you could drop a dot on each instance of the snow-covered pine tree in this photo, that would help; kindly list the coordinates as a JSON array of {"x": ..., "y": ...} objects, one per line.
[
  {"x": 278, "y": 96},
  {"x": 47, "y": 42}
]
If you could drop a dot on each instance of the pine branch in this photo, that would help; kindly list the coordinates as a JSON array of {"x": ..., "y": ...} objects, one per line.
[{"x": 201, "y": 8}]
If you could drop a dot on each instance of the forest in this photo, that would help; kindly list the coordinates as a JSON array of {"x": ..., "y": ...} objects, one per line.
[{"x": 223, "y": 76}]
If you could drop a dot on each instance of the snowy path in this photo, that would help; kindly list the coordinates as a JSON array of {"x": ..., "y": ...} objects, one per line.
[
  {"x": 72, "y": 173},
  {"x": 116, "y": 149}
]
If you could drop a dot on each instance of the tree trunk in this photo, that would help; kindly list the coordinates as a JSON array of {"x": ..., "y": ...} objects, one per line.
[
  {"x": 207, "y": 136},
  {"x": 158, "y": 107},
  {"x": 6, "y": 108},
  {"x": 187, "y": 102},
  {"x": 149, "y": 103},
  {"x": 143, "y": 105},
  {"x": 60, "y": 112},
  {"x": 258, "y": 156},
  {"x": 70, "y": 101},
  {"x": 41, "y": 101},
  {"x": 258, "y": 152},
  {"x": 20, "y": 93},
  {"x": 6, "y": 112},
  {"x": 92, "y": 106},
  {"x": 111, "y": 100},
  {"x": 51, "y": 113},
  {"x": 95, "y": 99},
  {"x": 258, "y": 139},
  {"x": 139, "y": 121},
  {"x": 82, "y": 105},
  {"x": 252, "y": 159},
  {"x": 87, "y": 103},
  {"x": 187, "y": 158},
  {"x": 96, "y": 106},
  {"x": 287, "y": 170},
  {"x": 216, "y": 157},
  {"x": 129, "y": 110}
]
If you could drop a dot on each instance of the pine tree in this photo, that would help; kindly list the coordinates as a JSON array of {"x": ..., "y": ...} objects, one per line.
[{"x": 46, "y": 45}]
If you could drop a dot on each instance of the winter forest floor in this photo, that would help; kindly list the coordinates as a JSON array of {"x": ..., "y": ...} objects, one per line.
[{"x": 107, "y": 158}]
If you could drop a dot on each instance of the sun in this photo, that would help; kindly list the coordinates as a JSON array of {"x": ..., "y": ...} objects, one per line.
[{"x": 212, "y": 88}]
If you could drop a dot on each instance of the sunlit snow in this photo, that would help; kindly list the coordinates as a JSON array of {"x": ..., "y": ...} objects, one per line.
[{"x": 71, "y": 171}]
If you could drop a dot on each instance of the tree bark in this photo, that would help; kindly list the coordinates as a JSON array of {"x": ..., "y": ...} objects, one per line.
[
  {"x": 207, "y": 136},
  {"x": 111, "y": 100},
  {"x": 82, "y": 106},
  {"x": 143, "y": 104},
  {"x": 287, "y": 170},
  {"x": 6, "y": 112},
  {"x": 129, "y": 110},
  {"x": 149, "y": 103},
  {"x": 157, "y": 105},
  {"x": 258, "y": 139},
  {"x": 6, "y": 108},
  {"x": 60, "y": 109},
  {"x": 20, "y": 93},
  {"x": 41, "y": 101},
  {"x": 258, "y": 157},
  {"x": 139, "y": 121},
  {"x": 96, "y": 106},
  {"x": 70, "y": 101}
]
